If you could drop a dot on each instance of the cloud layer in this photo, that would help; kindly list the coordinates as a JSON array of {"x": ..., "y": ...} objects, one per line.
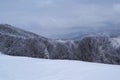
[{"x": 56, "y": 16}]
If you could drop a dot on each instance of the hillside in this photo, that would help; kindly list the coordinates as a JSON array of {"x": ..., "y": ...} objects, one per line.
[{"x": 94, "y": 48}]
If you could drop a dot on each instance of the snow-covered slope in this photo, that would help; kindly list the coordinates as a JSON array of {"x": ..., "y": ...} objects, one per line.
[{"x": 20, "y": 68}]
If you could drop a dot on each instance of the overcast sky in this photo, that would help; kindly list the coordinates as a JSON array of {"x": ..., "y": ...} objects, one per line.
[{"x": 48, "y": 17}]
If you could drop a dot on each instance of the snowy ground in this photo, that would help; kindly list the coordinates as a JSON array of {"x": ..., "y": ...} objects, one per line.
[{"x": 20, "y": 68}]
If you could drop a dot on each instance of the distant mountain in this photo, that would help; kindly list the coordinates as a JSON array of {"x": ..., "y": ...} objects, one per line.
[
  {"x": 93, "y": 48},
  {"x": 79, "y": 32}
]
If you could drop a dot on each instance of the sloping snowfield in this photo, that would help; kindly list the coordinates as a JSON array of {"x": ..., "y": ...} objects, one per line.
[{"x": 21, "y": 68}]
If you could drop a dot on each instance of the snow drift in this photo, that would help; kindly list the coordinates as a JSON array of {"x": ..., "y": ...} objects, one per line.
[{"x": 98, "y": 48}]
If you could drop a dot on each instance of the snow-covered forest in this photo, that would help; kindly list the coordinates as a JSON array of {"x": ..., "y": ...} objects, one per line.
[
  {"x": 99, "y": 48},
  {"x": 59, "y": 39}
]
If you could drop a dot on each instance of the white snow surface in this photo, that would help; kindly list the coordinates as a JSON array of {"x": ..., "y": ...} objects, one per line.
[{"x": 23, "y": 68}]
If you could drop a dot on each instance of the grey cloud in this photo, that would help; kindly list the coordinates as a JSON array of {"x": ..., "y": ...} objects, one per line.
[{"x": 58, "y": 16}]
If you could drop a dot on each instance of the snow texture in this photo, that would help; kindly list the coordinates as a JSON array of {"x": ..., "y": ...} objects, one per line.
[{"x": 21, "y": 68}]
